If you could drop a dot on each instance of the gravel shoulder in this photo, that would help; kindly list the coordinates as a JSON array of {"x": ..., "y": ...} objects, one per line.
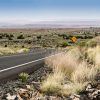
[{"x": 16, "y": 90}]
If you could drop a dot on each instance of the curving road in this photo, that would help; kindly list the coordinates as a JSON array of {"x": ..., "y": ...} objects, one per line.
[{"x": 11, "y": 66}]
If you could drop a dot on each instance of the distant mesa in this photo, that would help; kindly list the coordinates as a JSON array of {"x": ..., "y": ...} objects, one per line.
[{"x": 53, "y": 24}]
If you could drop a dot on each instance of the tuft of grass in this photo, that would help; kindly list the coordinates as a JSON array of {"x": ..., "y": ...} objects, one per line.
[
  {"x": 83, "y": 73},
  {"x": 23, "y": 77},
  {"x": 53, "y": 83},
  {"x": 93, "y": 54},
  {"x": 91, "y": 43},
  {"x": 72, "y": 88}
]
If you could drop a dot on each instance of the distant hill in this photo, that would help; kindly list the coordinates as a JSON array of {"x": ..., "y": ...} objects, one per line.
[{"x": 53, "y": 24}]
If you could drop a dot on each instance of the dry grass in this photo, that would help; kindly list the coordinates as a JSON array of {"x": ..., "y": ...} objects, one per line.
[
  {"x": 97, "y": 39},
  {"x": 93, "y": 54},
  {"x": 72, "y": 88},
  {"x": 22, "y": 50},
  {"x": 65, "y": 62},
  {"x": 53, "y": 83},
  {"x": 70, "y": 74},
  {"x": 83, "y": 73},
  {"x": 56, "y": 83},
  {"x": 8, "y": 50}
]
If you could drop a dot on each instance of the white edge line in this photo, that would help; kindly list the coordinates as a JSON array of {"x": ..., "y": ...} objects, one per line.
[{"x": 28, "y": 63}]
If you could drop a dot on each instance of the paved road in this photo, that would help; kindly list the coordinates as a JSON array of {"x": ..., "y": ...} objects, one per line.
[
  {"x": 10, "y": 61},
  {"x": 10, "y": 65}
]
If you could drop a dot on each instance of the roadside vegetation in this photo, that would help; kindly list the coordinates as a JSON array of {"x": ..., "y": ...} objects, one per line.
[
  {"x": 23, "y": 77},
  {"x": 73, "y": 71},
  {"x": 11, "y": 50}
]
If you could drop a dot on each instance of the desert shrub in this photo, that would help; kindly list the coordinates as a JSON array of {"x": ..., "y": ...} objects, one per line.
[
  {"x": 82, "y": 43},
  {"x": 65, "y": 36},
  {"x": 29, "y": 42},
  {"x": 20, "y": 37},
  {"x": 10, "y": 38},
  {"x": 80, "y": 36},
  {"x": 23, "y": 46},
  {"x": 97, "y": 34},
  {"x": 5, "y": 45},
  {"x": 11, "y": 35},
  {"x": 88, "y": 37},
  {"x": 64, "y": 44},
  {"x": 7, "y": 35},
  {"x": 1, "y": 36},
  {"x": 44, "y": 45},
  {"x": 39, "y": 37},
  {"x": 23, "y": 77}
]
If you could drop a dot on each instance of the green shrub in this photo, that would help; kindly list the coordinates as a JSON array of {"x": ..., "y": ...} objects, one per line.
[
  {"x": 20, "y": 37},
  {"x": 97, "y": 34},
  {"x": 65, "y": 36},
  {"x": 29, "y": 42},
  {"x": 82, "y": 43},
  {"x": 6, "y": 45},
  {"x": 6, "y": 35},
  {"x": 10, "y": 38},
  {"x": 23, "y": 77},
  {"x": 64, "y": 44},
  {"x": 23, "y": 46},
  {"x": 88, "y": 37},
  {"x": 80, "y": 36},
  {"x": 39, "y": 37},
  {"x": 1, "y": 36}
]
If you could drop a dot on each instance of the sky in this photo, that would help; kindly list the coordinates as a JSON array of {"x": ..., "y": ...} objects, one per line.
[{"x": 27, "y": 11}]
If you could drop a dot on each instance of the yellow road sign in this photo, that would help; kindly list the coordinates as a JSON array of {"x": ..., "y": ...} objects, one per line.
[{"x": 74, "y": 39}]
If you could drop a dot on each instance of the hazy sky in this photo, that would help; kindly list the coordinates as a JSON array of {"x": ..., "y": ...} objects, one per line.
[{"x": 25, "y": 11}]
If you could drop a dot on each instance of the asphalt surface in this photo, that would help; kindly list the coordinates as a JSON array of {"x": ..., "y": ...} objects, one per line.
[
  {"x": 15, "y": 64},
  {"x": 10, "y": 61}
]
